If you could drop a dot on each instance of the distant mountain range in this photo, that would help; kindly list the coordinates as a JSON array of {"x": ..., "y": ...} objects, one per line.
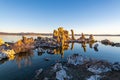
[{"x": 50, "y": 34}]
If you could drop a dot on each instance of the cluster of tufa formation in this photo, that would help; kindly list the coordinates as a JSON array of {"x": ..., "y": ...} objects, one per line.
[
  {"x": 84, "y": 39},
  {"x": 8, "y": 50},
  {"x": 91, "y": 38},
  {"x": 23, "y": 45},
  {"x": 61, "y": 35},
  {"x": 82, "y": 36}
]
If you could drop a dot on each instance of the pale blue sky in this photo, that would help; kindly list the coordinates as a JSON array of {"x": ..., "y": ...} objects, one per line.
[{"x": 42, "y": 16}]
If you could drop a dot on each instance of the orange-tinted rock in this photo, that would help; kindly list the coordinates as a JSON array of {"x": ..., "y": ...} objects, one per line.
[
  {"x": 82, "y": 36},
  {"x": 23, "y": 45},
  {"x": 61, "y": 35},
  {"x": 55, "y": 34},
  {"x": 91, "y": 38},
  {"x": 1, "y": 42},
  {"x": 73, "y": 38}
]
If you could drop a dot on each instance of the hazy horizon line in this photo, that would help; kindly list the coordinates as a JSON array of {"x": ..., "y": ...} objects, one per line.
[{"x": 52, "y": 33}]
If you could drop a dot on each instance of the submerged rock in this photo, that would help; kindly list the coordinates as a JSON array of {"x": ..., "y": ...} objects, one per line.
[
  {"x": 94, "y": 77},
  {"x": 61, "y": 75},
  {"x": 40, "y": 50},
  {"x": 45, "y": 78},
  {"x": 46, "y": 59},
  {"x": 38, "y": 72},
  {"x": 96, "y": 46},
  {"x": 60, "y": 72},
  {"x": 76, "y": 59},
  {"x": 82, "y": 68},
  {"x": 97, "y": 70},
  {"x": 99, "y": 67},
  {"x": 49, "y": 51},
  {"x": 116, "y": 66},
  {"x": 57, "y": 66}
]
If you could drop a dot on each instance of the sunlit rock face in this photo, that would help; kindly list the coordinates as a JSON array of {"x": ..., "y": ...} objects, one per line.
[
  {"x": 61, "y": 35},
  {"x": 19, "y": 46},
  {"x": 1, "y": 42},
  {"x": 6, "y": 52},
  {"x": 91, "y": 38},
  {"x": 28, "y": 41},
  {"x": 23, "y": 45},
  {"x": 55, "y": 34},
  {"x": 66, "y": 33},
  {"x": 82, "y": 38},
  {"x": 73, "y": 38}
]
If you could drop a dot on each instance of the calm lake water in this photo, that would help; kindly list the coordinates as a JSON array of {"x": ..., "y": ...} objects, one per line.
[{"x": 23, "y": 67}]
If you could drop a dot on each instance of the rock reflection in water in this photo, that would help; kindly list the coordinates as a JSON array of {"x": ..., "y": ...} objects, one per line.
[
  {"x": 83, "y": 46},
  {"x": 91, "y": 44},
  {"x": 25, "y": 57},
  {"x": 72, "y": 46},
  {"x": 58, "y": 50},
  {"x": 61, "y": 49}
]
